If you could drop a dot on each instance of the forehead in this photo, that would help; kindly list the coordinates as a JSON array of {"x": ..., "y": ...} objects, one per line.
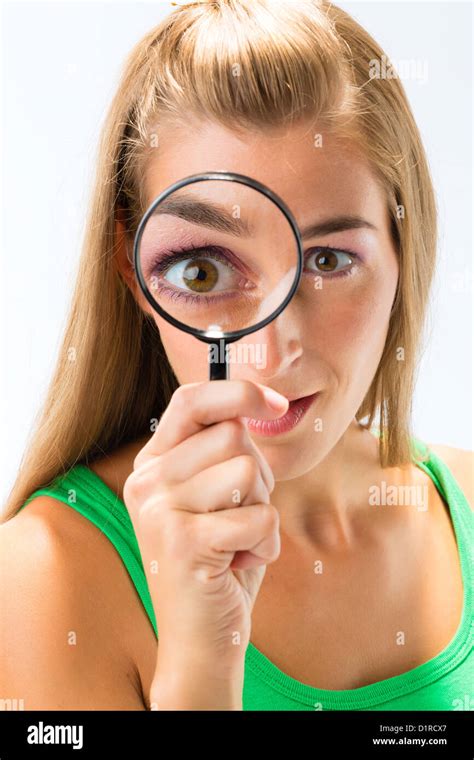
[{"x": 314, "y": 172}]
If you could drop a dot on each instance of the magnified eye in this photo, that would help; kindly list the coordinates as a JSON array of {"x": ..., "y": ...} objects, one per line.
[
  {"x": 200, "y": 273},
  {"x": 329, "y": 260}
]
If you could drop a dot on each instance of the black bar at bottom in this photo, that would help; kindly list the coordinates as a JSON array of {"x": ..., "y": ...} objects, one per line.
[{"x": 63, "y": 734}]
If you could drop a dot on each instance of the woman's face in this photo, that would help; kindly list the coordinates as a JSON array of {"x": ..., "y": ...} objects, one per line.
[{"x": 330, "y": 337}]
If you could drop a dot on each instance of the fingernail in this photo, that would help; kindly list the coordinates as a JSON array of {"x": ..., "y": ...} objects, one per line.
[{"x": 275, "y": 400}]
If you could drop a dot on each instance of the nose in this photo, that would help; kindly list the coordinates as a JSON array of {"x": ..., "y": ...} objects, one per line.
[{"x": 281, "y": 340}]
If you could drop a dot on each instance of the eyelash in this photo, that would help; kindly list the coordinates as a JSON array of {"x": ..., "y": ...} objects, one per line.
[
  {"x": 214, "y": 252},
  {"x": 174, "y": 257}
]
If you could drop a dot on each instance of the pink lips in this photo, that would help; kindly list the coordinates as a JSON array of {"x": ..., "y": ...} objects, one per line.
[{"x": 296, "y": 411}]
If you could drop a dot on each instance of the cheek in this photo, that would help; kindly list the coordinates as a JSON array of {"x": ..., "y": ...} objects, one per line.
[
  {"x": 355, "y": 318},
  {"x": 186, "y": 354}
]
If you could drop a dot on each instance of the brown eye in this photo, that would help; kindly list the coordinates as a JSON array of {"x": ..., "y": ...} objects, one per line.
[
  {"x": 327, "y": 261},
  {"x": 200, "y": 275},
  {"x": 331, "y": 260},
  {"x": 198, "y": 271}
]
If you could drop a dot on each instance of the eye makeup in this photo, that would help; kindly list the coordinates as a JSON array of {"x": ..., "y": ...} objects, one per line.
[{"x": 163, "y": 262}]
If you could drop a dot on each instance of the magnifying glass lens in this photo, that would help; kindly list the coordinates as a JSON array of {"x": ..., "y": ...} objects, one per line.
[{"x": 217, "y": 256}]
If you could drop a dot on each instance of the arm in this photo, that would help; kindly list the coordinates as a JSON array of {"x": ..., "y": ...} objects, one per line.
[{"x": 56, "y": 652}]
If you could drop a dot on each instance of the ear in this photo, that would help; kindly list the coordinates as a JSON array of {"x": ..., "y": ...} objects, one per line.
[{"x": 122, "y": 250}]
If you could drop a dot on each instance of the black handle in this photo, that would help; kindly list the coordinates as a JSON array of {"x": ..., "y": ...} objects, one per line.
[{"x": 218, "y": 364}]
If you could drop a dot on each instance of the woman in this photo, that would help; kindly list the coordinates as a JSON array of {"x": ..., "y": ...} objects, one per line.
[{"x": 366, "y": 601}]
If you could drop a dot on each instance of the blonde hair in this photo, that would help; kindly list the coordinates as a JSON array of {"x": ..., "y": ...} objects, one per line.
[{"x": 294, "y": 59}]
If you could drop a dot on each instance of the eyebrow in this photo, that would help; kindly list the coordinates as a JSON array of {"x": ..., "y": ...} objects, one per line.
[
  {"x": 338, "y": 224},
  {"x": 207, "y": 214}
]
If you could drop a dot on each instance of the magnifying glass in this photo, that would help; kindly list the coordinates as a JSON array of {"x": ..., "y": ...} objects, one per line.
[{"x": 219, "y": 256}]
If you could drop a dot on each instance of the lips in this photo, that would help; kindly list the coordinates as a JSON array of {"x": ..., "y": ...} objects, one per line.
[{"x": 296, "y": 411}]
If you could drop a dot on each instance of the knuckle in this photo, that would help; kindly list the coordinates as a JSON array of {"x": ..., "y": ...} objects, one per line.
[
  {"x": 162, "y": 498},
  {"x": 158, "y": 470},
  {"x": 270, "y": 517},
  {"x": 141, "y": 459},
  {"x": 182, "y": 397},
  {"x": 144, "y": 508},
  {"x": 151, "y": 513},
  {"x": 159, "y": 525},
  {"x": 151, "y": 472},
  {"x": 137, "y": 461},
  {"x": 131, "y": 488},
  {"x": 176, "y": 535},
  {"x": 249, "y": 468}
]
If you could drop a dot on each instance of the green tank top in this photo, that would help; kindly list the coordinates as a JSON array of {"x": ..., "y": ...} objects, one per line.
[{"x": 446, "y": 682}]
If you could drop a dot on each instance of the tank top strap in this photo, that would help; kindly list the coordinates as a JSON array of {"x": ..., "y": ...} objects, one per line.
[{"x": 446, "y": 483}]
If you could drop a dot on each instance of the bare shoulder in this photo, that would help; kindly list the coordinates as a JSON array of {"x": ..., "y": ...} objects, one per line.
[
  {"x": 461, "y": 464},
  {"x": 62, "y": 598}
]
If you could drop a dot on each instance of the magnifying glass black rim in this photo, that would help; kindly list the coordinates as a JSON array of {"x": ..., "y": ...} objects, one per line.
[{"x": 226, "y": 176}]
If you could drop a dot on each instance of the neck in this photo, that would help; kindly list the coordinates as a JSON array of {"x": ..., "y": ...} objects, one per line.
[{"x": 318, "y": 506}]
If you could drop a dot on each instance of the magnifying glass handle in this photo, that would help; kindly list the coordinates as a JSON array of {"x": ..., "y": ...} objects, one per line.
[{"x": 218, "y": 369}]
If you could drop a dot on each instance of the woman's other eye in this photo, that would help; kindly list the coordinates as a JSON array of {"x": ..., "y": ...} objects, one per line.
[{"x": 328, "y": 261}]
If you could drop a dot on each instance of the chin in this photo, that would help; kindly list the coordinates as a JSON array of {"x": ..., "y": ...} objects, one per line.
[{"x": 293, "y": 459}]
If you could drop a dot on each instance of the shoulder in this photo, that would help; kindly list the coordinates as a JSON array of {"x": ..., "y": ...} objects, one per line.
[
  {"x": 58, "y": 608},
  {"x": 461, "y": 464},
  {"x": 37, "y": 537}
]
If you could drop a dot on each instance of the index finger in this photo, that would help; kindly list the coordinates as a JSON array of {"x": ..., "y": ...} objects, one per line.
[{"x": 197, "y": 405}]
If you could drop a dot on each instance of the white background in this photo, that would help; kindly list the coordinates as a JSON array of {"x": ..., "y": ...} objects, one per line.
[{"x": 61, "y": 63}]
